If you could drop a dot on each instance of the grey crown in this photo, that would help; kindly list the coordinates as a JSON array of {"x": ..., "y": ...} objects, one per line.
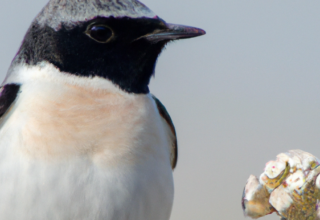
[{"x": 70, "y": 12}]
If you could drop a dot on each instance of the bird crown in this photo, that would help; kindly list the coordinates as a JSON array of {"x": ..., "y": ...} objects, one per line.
[{"x": 70, "y": 12}]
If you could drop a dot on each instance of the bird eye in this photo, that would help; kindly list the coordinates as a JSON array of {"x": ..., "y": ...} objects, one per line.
[{"x": 100, "y": 33}]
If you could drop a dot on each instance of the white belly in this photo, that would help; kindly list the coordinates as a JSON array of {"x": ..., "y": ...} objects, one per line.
[{"x": 70, "y": 153}]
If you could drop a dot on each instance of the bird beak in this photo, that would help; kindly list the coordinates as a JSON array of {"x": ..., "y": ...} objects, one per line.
[{"x": 174, "y": 32}]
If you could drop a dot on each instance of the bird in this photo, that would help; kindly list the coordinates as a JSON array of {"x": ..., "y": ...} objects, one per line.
[{"x": 81, "y": 136}]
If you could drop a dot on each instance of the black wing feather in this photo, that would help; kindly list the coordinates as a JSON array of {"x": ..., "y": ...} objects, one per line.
[
  {"x": 8, "y": 93},
  {"x": 165, "y": 115}
]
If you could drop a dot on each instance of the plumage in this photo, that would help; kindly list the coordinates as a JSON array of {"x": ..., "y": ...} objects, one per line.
[
  {"x": 71, "y": 12},
  {"x": 81, "y": 137},
  {"x": 87, "y": 150},
  {"x": 8, "y": 94},
  {"x": 172, "y": 131}
]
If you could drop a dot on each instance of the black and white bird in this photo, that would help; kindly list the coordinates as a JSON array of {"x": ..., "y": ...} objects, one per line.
[{"x": 81, "y": 137}]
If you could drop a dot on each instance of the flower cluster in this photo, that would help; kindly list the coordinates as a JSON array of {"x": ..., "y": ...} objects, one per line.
[{"x": 289, "y": 186}]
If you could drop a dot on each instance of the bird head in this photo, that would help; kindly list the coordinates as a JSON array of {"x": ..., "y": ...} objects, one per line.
[{"x": 119, "y": 40}]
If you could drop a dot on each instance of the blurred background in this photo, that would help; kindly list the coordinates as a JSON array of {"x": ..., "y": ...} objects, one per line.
[{"x": 246, "y": 91}]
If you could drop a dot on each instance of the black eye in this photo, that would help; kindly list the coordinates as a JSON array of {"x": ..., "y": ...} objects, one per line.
[{"x": 100, "y": 33}]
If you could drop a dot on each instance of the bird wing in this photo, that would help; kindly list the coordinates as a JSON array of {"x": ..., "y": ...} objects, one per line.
[
  {"x": 174, "y": 143},
  {"x": 8, "y": 94}
]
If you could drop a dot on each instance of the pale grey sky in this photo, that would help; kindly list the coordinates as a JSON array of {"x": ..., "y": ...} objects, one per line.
[{"x": 238, "y": 96}]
